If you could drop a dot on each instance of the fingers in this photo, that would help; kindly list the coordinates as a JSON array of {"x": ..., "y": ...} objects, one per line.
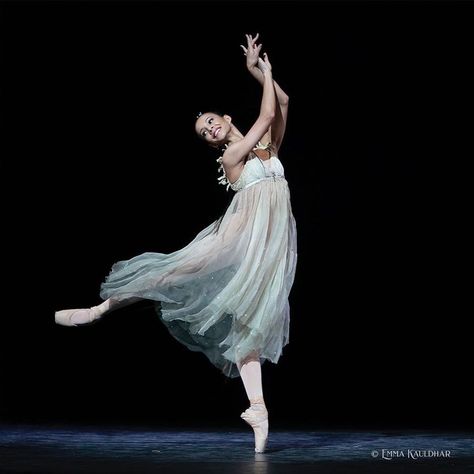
[
  {"x": 252, "y": 52},
  {"x": 255, "y": 51},
  {"x": 251, "y": 41},
  {"x": 266, "y": 60}
]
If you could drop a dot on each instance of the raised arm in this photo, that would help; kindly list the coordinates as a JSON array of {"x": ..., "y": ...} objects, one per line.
[
  {"x": 277, "y": 132},
  {"x": 238, "y": 151}
]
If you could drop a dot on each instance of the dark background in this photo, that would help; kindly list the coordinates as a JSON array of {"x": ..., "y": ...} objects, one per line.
[{"x": 101, "y": 163}]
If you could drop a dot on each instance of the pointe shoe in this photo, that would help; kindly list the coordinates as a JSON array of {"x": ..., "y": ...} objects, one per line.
[
  {"x": 77, "y": 317},
  {"x": 257, "y": 417}
]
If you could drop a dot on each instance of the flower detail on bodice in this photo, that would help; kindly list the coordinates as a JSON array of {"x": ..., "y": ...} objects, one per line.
[{"x": 222, "y": 179}]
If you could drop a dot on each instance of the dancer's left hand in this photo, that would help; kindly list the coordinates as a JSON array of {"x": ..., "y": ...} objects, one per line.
[{"x": 252, "y": 51}]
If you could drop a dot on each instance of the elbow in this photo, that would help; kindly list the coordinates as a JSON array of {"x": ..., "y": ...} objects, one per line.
[
  {"x": 284, "y": 100},
  {"x": 269, "y": 116}
]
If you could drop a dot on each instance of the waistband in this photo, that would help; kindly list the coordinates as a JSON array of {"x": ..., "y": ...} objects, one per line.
[{"x": 268, "y": 178}]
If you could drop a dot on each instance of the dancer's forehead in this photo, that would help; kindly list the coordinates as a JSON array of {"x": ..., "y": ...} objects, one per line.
[{"x": 203, "y": 120}]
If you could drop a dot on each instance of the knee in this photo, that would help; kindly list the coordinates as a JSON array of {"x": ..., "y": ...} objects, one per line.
[{"x": 251, "y": 356}]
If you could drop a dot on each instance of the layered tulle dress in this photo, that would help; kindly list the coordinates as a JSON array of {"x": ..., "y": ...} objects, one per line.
[{"x": 225, "y": 294}]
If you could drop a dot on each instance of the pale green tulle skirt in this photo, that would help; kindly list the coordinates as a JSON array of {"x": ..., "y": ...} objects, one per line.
[{"x": 226, "y": 293}]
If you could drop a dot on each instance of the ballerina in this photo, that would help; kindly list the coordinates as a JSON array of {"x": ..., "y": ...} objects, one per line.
[{"x": 225, "y": 294}]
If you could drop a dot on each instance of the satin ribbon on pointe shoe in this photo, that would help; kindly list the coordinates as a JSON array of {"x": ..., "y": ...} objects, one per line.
[{"x": 257, "y": 417}]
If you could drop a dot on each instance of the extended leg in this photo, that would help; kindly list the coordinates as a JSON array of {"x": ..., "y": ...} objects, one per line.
[
  {"x": 256, "y": 415},
  {"x": 76, "y": 317}
]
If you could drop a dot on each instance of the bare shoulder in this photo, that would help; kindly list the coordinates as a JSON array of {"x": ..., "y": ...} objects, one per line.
[
  {"x": 232, "y": 168},
  {"x": 233, "y": 154}
]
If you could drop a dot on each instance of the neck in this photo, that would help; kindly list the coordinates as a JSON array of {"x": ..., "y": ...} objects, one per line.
[{"x": 234, "y": 135}]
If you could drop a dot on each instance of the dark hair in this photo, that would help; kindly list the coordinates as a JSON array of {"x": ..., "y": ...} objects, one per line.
[{"x": 210, "y": 111}]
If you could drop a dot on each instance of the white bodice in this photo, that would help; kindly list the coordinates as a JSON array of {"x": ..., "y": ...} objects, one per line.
[{"x": 256, "y": 170}]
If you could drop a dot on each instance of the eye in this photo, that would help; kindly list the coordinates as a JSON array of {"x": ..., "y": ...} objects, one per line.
[
  {"x": 210, "y": 120},
  {"x": 203, "y": 133}
]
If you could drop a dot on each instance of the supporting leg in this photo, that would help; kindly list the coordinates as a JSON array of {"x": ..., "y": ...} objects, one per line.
[
  {"x": 251, "y": 375},
  {"x": 256, "y": 415}
]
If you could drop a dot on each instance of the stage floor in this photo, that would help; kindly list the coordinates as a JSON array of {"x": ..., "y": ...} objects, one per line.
[{"x": 26, "y": 448}]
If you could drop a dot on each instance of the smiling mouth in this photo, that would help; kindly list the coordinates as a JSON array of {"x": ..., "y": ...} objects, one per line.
[{"x": 217, "y": 130}]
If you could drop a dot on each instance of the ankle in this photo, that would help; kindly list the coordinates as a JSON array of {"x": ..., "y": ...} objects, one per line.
[
  {"x": 97, "y": 311},
  {"x": 257, "y": 402}
]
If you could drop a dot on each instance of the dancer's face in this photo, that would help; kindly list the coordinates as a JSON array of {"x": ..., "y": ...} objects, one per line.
[{"x": 213, "y": 128}]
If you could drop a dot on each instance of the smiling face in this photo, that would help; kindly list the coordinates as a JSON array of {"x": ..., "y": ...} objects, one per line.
[{"x": 213, "y": 128}]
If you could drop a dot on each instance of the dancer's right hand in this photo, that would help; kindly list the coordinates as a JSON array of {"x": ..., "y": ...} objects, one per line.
[{"x": 264, "y": 64}]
